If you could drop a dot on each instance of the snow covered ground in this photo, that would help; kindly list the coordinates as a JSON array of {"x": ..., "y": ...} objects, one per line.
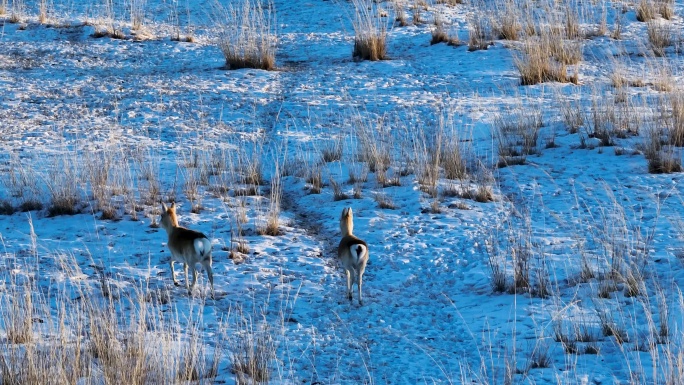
[{"x": 138, "y": 121}]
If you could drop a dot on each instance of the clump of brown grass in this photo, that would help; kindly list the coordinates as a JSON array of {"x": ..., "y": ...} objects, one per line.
[
  {"x": 358, "y": 173},
  {"x": 666, "y": 9},
  {"x": 506, "y": 21},
  {"x": 416, "y": 12},
  {"x": 253, "y": 350},
  {"x": 674, "y": 121},
  {"x": 338, "y": 194},
  {"x": 250, "y": 167},
  {"x": 660, "y": 36},
  {"x": 17, "y": 11},
  {"x": 479, "y": 33},
  {"x": 332, "y": 151},
  {"x": 440, "y": 34},
  {"x": 428, "y": 164},
  {"x": 22, "y": 183},
  {"x": 108, "y": 27},
  {"x": 375, "y": 147},
  {"x": 452, "y": 159},
  {"x": 62, "y": 185},
  {"x": 18, "y": 317},
  {"x": 272, "y": 226},
  {"x": 370, "y": 38},
  {"x": 517, "y": 134},
  {"x": 137, "y": 14},
  {"x": 384, "y": 201},
  {"x": 573, "y": 114},
  {"x": 246, "y": 34},
  {"x": 315, "y": 180},
  {"x": 400, "y": 14},
  {"x": 541, "y": 60},
  {"x": 646, "y": 10},
  {"x": 661, "y": 159}
]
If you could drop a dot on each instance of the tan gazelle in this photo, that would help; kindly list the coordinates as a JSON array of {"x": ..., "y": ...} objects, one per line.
[
  {"x": 188, "y": 247},
  {"x": 352, "y": 252}
]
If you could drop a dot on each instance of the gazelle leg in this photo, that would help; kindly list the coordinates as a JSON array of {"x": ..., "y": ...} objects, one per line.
[
  {"x": 349, "y": 284},
  {"x": 193, "y": 271},
  {"x": 359, "y": 282},
  {"x": 210, "y": 275},
  {"x": 187, "y": 282},
  {"x": 173, "y": 273}
]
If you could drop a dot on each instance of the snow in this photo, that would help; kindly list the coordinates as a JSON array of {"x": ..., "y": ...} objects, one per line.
[{"x": 430, "y": 314}]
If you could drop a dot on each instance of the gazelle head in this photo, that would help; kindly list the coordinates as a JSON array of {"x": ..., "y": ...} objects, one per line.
[
  {"x": 168, "y": 217},
  {"x": 347, "y": 221}
]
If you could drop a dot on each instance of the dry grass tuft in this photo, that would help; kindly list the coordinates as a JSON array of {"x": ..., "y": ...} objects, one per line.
[
  {"x": 369, "y": 36},
  {"x": 545, "y": 60},
  {"x": 137, "y": 14},
  {"x": 479, "y": 33},
  {"x": 246, "y": 34},
  {"x": 661, "y": 159},
  {"x": 666, "y": 9},
  {"x": 674, "y": 121},
  {"x": 18, "y": 316},
  {"x": 660, "y": 36},
  {"x": 453, "y": 161},
  {"x": 517, "y": 134},
  {"x": 384, "y": 201},
  {"x": 646, "y": 10},
  {"x": 400, "y": 14},
  {"x": 338, "y": 194},
  {"x": 440, "y": 34},
  {"x": 63, "y": 187},
  {"x": 506, "y": 21},
  {"x": 332, "y": 152},
  {"x": 272, "y": 226},
  {"x": 253, "y": 350}
]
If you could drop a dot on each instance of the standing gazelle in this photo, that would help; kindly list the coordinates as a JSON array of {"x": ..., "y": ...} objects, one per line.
[
  {"x": 188, "y": 247},
  {"x": 353, "y": 252}
]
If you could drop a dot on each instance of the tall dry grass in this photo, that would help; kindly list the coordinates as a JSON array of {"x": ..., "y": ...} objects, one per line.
[
  {"x": 137, "y": 10},
  {"x": 246, "y": 34},
  {"x": 370, "y": 34},
  {"x": 660, "y": 36},
  {"x": 253, "y": 348},
  {"x": 127, "y": 339},
  {"x": 545, "y": 59},
  {"x": 64, "y": 185}
]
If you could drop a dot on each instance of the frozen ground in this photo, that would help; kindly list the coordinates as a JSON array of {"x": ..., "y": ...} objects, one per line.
[{"x": 430, "y": 314}]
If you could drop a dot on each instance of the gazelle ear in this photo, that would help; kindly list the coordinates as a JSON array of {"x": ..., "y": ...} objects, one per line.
[
  {"x": 344, "y": 212},
  {"x": 164, "y": 208},
  {"x": 173, "y": 206},
  {"x": 349, "y": 211}
]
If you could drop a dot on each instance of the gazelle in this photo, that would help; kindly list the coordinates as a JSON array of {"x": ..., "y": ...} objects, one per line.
[
  {"x": 188, "y": 247},
  {"x": 353, "y": 252}
]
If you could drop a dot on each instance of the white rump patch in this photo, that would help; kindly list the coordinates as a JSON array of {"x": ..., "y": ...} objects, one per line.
[
  {"x": 357, "y": 251},
  {"x": 202, "y": 246}
]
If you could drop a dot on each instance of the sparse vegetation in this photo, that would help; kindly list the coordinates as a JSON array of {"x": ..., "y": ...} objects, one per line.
[
  {"x": 246, "y": 34},
  {"x": 545, "y": 60},
  {"x": 660, "y": 36},
  {"x": 646, "y": 10},
  {"x": 369, "y": 34},
  {"x": 272, "y": 226},
  {"x": 576, "y": 252},
  {"x": 479, "y": 33},
  {"x": 517, "y": 133},
  {"x": 252, "y": 350}
]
